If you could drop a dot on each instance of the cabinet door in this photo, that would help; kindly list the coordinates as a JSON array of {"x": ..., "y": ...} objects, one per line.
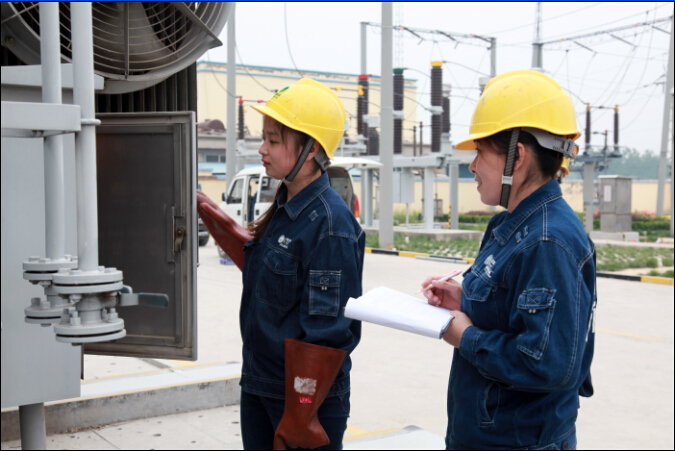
[{"x": 147, "y": 219}]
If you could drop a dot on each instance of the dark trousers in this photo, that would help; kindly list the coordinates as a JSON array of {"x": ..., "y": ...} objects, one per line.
[{"x": 260, "y": 417}]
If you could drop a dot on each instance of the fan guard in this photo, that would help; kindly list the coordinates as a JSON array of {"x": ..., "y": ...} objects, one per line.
[{"x": 136, "y": 44}]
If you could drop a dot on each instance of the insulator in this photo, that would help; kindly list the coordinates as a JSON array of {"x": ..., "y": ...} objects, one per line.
[
  {"x": 436, "y": 86},
  {"x": 373, "y": 141},
  {"x": 436, "y": 133},
  {"x": 446, "y": 115},
  {"x": 436, "y": 100},
  {"x": 362, "y": 101},
  {"x": 616, "y": 126},
  {"x": 240, "y": 125},
  {"x": 588, "y": 125},
  {"x": 398, "y": 106}
]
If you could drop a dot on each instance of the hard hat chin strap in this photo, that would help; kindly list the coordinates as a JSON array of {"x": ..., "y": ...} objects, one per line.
[
  {"x": 507, "y": 178},
  {"x": 301, "y": 160}
]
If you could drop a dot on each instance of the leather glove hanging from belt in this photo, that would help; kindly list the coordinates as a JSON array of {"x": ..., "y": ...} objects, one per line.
[
  {"x": 229, "y": 235},
  {"x": 310, "y": 373}
]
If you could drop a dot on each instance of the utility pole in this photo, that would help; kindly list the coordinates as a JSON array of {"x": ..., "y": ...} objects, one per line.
[
  {"x": 387, "y": 129},
  {"x": 231, "y": 143},
  {"x": 537, "y": 46},
  {"x": 663, "y": 160},
  {"x": 364, "y": 50},
  {"x": 493, "y": 57}
]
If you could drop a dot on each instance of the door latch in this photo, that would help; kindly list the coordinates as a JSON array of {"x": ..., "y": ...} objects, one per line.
[{"x": 178, "y": 239}]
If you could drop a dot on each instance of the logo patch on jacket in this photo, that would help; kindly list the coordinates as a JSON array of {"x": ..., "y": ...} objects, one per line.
[
  {"x": 284, "y": 242},
  {"x": 489, "y": 263}
]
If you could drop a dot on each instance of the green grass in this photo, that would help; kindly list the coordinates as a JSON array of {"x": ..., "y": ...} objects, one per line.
[
  {"x": 616, "y": 258},
  {"x": 455, "y": 248},
  {"x": 668, "y": 274},
  {"x": 609, "y": 258}
]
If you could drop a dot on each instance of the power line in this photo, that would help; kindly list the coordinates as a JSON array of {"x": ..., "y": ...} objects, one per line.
[
  {"x": 236, "y": 48},
  {"x": 550, "y": 18},
  {"x": 288, "y": 43},
  {"x": 625, "y": 27},
  {"x": 218, "y": 81}
]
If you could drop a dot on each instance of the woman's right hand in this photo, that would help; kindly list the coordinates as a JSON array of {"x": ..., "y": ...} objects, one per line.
[{"x": 447, "y": 294}]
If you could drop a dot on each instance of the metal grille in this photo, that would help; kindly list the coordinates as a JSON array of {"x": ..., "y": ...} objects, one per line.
[{"x": 137, "y": 41}]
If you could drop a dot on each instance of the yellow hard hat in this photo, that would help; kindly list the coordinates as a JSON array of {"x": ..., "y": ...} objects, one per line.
[
  {"x": 312, "y": 108},
  {"x": 522, "y": 98}
]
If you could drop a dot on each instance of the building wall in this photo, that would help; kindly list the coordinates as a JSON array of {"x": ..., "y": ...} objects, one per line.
[
  {"x": 257, "y": 83},
  {"x": 643, "y": 196}
]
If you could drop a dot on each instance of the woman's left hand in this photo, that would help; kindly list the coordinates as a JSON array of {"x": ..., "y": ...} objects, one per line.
[{"x": 457, "y": 327}]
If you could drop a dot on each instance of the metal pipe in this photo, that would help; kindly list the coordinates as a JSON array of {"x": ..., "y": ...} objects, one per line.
[
  {"x": 364, "y": 48},
  {"x": 55, "y": 207},
  {"x": 616, "y": 129},
  {"x": 589, "y": 195},
  {"x": 387, "y": 129},
  {"x": 493, "y": 57},
  {"x": 587, "y": 137},
  {"x": 454, "y": 196},
  {"x": 663, "y": 158},
  {"x": 231, "y": 143},
  {"x": 367, "y": 195},
  {"x": 85, "y": 141},
  {"x": 32, "y": 425},
  {"x": 428, "y": 198}
]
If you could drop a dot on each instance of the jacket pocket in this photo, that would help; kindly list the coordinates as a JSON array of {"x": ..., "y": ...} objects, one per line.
[
  {"x": 276, "y": 285},
  {"x": 536, "y": 308},
  {"x": 324, "y": 293},
  {"x": 489, "y": 403}
]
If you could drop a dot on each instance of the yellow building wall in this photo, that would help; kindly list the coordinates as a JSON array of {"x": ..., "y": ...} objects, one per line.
[
  {"x": 643, "y": 196},
  {"x": 213, "y": 187},
  {"x": 262, "y": 81}
]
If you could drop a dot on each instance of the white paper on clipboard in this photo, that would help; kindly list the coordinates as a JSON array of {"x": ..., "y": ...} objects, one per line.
[{"x": 392, "y": 308}]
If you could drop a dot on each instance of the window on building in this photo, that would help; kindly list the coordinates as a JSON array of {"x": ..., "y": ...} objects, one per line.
[
  {"x": 222, "y": 158},
  {"x": 212, "y": 158}
]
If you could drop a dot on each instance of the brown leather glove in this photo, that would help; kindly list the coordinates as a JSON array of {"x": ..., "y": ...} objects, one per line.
[
  {"x": 310, "y": 373},
  {"x": 229, "y": 235}
]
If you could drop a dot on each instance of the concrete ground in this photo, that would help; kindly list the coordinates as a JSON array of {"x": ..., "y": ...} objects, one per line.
[{"x": 400, "y": 379}]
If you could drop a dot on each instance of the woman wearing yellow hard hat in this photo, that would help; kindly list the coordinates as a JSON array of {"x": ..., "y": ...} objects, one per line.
[
  {"x": 524, "y": 328},
  {"x": 301, "y": 261}
]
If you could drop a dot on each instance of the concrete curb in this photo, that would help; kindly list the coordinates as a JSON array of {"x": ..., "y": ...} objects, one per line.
[
  {"x": 370, "y": 250},
  {"x": 91, "y": 412},
  {"x": 608, "y": 275}
]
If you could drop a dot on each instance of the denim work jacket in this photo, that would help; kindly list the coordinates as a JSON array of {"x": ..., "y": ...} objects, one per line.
[
  {"x": 518, "y": 373},
  {"x": 297, "y": 280}
]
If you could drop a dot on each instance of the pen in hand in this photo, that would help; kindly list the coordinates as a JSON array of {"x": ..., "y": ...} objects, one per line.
[{"x": 442, "y": 279}]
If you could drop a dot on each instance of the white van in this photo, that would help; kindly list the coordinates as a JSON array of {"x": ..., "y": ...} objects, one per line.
[{"x": 252, "y": 191}]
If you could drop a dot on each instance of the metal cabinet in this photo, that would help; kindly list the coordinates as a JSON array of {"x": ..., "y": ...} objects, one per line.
[{"x": 146, "y": 167}]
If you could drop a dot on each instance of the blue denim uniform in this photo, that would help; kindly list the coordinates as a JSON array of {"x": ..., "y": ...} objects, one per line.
[
  {"x": 297, "y": 280},
  {"x": 518, "y": 373}
]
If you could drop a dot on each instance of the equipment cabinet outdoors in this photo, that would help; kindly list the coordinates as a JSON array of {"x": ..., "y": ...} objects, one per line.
[{"x": 146, "y": 166}]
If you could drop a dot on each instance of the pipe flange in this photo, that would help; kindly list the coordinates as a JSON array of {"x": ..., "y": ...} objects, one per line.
[
  {"x": 37, "y": 264},
  {"x": 93, "y": 339},
  {"x": 39, "y": 312},
  {"x": 83, "y": 330},
  {"x": 79, "y": 277},
  {"x": 45, "y": 322},
  {"x": 88, "y": 289},
  {"x": 90, "y": 333},
  {"x": 38, "y": 276}
]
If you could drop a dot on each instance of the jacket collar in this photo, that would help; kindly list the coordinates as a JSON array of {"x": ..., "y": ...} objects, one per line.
[
  {"x": 304, "y": 197},
  {"x": 513, "y": 221}
]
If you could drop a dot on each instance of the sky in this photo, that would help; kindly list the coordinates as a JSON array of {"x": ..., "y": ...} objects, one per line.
[{"x": 627, "y": 68}]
